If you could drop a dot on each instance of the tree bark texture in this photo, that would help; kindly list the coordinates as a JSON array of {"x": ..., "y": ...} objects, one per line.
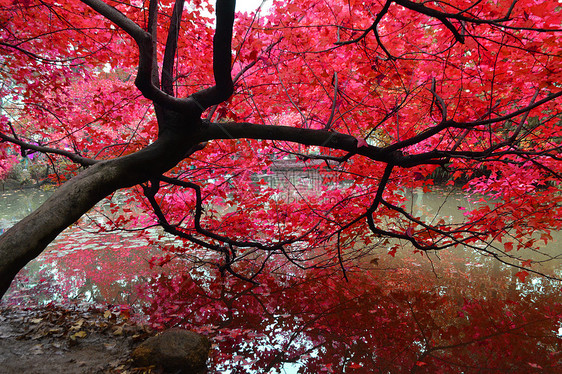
[{"x": 28, "y": 238}]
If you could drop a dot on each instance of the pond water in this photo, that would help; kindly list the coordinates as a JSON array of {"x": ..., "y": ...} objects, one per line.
[
  {"x": 15, "y": 205},
  {"x": 451, "y": 313}
]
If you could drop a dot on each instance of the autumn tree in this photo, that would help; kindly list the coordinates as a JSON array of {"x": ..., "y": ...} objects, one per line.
[{"x": 374, "y": 97}]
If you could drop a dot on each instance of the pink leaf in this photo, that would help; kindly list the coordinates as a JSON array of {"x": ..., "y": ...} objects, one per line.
[
  {"x": 410, "y": 232},
  {"x": 361, "y": 143}
]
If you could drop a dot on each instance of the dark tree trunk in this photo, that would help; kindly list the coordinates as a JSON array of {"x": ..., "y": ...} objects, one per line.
[
  {"x": 29, "y": 237},
  {"x": 179, "y": 124}
]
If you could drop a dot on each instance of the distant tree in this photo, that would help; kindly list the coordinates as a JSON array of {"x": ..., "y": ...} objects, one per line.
[{"x": 377, "y": 97}]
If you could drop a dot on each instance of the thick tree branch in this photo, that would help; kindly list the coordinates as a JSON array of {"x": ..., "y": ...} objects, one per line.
[
  {"x": 322, "y": 138},
  {"x": 171, "y": 47},
  {"x": 153, "y": 31},
  {"x": 222, "y": 58},
  {"x": 443, "y": 17}
]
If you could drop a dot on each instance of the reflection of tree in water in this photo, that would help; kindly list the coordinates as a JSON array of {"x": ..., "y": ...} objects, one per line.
[
  {"x": 84, "y": 267},
  {"x": 386, "y": 319},
  {"x": 395, "y": 317},
  {"x": 400, "y": 321}
]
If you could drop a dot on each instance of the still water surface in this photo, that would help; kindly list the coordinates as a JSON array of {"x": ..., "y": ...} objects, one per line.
[{"x": 455, "y": 313}]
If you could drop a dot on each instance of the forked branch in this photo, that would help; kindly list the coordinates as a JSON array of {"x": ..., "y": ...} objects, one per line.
[{"x": 146, "y": 72}]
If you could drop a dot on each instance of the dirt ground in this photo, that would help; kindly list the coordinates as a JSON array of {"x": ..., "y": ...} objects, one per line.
[{"x": 58, "y": 340}]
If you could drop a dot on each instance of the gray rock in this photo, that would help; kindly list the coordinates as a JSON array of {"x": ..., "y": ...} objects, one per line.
[{"x": 175, "y": 351}]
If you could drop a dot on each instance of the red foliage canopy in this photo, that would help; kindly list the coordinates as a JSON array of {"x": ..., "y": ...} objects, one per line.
[{"x": 371, "y": 98}]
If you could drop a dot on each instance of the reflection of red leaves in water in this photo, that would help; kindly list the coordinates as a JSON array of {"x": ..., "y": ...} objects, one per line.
[
  {"x": 376, "y": 320},
  {"x": 522, "y": 275},
  {"x": 353, "y": 365}
]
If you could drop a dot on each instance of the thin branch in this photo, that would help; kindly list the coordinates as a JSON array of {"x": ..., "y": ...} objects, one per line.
[
  {"x": 328, "y": 124},
  {"x": 513, "y": 137},
  {"x": 465, "y": 125},
  {"x": 373, "y": 27},
  {"x": 440, "y": 103},
  {"x": 84, "y": 161},
  {"x": 40, "y": 58},
  {"x": 378, "y": 196}
]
